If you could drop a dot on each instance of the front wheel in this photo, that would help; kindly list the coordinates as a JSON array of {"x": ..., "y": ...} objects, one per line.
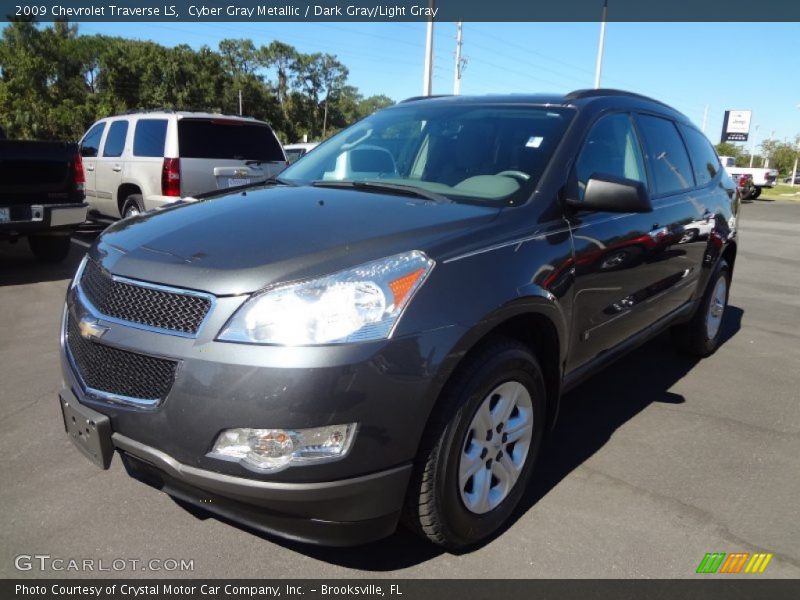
[
  {"x": 479, "y": 449},
  {"x": 49, "y": 249},
  {"x": 756, "y": 193},
  {"x": 701, "y": 336}
]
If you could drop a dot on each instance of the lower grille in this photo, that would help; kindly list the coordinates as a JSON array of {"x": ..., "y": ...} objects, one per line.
[{"x": 119, "y": 372}]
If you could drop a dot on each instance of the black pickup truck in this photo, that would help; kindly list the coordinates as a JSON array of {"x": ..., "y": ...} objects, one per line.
[{"x": 41, "y": 195}]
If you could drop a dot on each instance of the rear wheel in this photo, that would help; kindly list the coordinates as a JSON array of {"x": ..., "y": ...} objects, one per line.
[
  {"x": 478, "y": 451},
  {"x": 701, "y": 335},
  {"x": 756, "y": 193},
  {"x": 133, "y": 206},
  {"x": 49, "y": 249}
]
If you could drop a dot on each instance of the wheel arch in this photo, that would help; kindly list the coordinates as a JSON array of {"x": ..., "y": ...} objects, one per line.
[
  {"x": 125, "y": 190},
  {"x": 536, "y": 322}
]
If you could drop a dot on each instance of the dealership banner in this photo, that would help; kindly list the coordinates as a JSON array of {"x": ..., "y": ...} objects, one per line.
[
  {"x": 735, "y": 588},
  {"x": 399, "y": 10},
  {"x": 736, "y": 125}
]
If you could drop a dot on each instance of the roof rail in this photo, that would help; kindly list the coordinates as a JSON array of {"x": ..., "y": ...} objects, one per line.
[
  {"x": 601, "y": 92},
  {"x": 415, "y": 98},
  {"x": 136, "y": 111}
]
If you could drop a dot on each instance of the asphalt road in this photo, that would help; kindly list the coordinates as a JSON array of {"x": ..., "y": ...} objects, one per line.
[{"x": 657, "y": 461}]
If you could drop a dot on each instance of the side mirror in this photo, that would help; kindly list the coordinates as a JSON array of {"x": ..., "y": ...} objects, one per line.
[{"x": 609, "y": 193}]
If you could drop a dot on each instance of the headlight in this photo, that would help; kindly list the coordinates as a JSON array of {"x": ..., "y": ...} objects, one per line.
[{"x": 359, "y": 304}]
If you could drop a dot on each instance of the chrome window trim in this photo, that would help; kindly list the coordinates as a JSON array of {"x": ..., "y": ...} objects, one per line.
[{"x": 212, "y": 299}]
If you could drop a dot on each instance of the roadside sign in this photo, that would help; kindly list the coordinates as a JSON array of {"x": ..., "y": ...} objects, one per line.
[{"x": 736, "y": 125}]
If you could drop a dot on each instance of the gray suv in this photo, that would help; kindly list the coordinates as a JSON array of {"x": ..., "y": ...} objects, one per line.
[
  {"x": 144, "y": 160},
  {"x": 384, "y": 331}
]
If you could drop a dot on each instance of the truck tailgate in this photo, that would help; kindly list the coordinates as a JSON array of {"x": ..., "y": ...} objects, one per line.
[{"x": 36, "y": 172}]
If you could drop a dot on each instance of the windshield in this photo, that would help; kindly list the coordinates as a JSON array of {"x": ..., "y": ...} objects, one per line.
[{"x": 492, "y": 154}]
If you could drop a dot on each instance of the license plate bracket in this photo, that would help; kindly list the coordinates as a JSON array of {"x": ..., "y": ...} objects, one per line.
[{"x": 89, "y": 430}]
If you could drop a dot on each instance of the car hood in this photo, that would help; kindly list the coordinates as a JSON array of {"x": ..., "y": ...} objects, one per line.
[{"x": 242, "y": 242}]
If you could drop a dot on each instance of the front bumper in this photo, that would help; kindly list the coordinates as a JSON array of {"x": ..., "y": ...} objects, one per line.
[{"x": 387, "y": 387}]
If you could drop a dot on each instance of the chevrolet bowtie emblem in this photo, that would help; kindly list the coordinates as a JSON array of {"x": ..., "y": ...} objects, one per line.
[
  {"x": 240, "y": 173},
  {"x": 90, "y": 328}
]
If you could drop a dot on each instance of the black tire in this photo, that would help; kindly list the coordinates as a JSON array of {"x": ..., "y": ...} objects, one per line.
[
  {"x": 49, "y": 249},
  {"x": 756, "y": 193},
  {"x": 434, "y": 506},
  {"x": 132, "y": 206},
  {"x": 693, "y": 337}
]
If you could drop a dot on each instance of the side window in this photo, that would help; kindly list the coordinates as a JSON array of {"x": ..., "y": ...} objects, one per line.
[
  {"x": 149, "y": 137},
  {"x": 91, "y": 143},
  {"x": 611, "y": 148},
  {"x": 666, "y": 155},
  {"x": 115, "y": 140},
  {"x": 705, "y": 162}
]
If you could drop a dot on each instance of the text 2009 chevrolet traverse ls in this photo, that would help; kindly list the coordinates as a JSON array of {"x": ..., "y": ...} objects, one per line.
[{"x": 384, "y": 331}]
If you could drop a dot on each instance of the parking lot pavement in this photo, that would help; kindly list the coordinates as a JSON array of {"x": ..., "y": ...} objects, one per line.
[{"x": 656, "y": 461}]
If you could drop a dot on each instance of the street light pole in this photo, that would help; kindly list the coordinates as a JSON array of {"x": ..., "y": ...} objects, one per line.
[
  {"x": 598, "y": 67},
  {"x": 427, "y": 81}
]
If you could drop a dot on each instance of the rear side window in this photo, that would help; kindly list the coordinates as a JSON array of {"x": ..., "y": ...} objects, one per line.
[
  {"x": 227, "y": 140},
  {"x": 149, "y": 137},
  {"x": 666, "y": 155},
  {"x": 611, "y": 148},
  {"x": 704, "y": 159},
  {"x": 115, "y": 140},
  {"x": 91, "y": 143}
]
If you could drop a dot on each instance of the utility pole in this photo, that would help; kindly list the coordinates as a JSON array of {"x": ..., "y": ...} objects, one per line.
[
  {"x": 598, "y": 67},
  {"x": 705, "y": 118},
  {"x": 240, "y": 102},
  {"x": 427, "y": 81},
  {"x": 766, "y": 158},
  {"x": 459, "y": 61},
  {"x": 753, "y": 146}
]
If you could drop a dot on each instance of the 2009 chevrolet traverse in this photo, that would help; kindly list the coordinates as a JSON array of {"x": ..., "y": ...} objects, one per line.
[{"x": 384, "y": 331}]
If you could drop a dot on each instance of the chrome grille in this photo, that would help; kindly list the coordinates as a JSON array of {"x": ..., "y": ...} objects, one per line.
[
  {"x": 142, "y": 304},
  {"x": 119, "y": 372}
]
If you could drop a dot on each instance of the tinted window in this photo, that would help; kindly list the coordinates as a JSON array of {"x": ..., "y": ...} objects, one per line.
[
  {"x": 149, "y": 137},
  {"x": 704, "y": 159},
  {"x": 227, "y": 139},
  {"x": 91, "y": 143},
  {"x": 666, "y": 155},
  {"x": 115, "y": 140},
  {"x": 611, "y": 148}
]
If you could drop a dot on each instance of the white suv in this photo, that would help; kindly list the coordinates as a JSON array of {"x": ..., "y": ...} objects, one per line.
[{"x": 143, "y": 160}]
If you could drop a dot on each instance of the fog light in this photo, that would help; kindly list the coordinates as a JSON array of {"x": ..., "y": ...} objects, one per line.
[{"x": 275, "y": 449}]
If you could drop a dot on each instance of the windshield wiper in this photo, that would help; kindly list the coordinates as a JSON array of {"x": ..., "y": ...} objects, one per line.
[
  {"x": 380, "y": 186},
  {"x": 279, "y": 181}
]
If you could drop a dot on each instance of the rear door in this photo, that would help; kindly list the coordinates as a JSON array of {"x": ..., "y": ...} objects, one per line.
[
  {"x": 221, "y": 153},
  {"x": 109, "y": 167}
]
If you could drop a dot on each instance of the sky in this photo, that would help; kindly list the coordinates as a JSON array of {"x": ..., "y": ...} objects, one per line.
[{"x": 691, "y": 66}]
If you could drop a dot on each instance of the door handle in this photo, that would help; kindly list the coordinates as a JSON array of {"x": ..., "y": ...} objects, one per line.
[
  {"x": 90, "y": 167},
  {"x": 117, "y": 168}
]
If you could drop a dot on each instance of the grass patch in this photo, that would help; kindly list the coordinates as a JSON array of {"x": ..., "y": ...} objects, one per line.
[{"x": 781, "y": 192}]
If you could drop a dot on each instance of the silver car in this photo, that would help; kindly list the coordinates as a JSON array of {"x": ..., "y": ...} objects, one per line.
[{"x": 140, "y": 161}]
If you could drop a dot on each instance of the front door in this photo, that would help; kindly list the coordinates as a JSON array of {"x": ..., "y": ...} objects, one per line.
[
  {"x": 109, "y": 168},
  {"x": 630, "y": 270}
]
